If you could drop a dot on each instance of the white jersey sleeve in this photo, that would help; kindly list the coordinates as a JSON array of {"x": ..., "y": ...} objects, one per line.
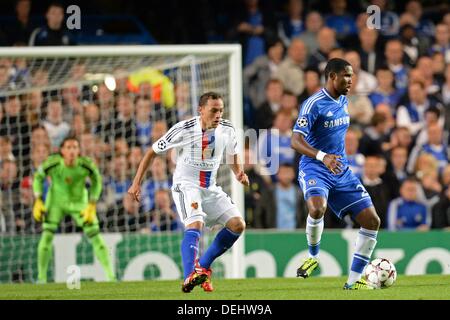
[
  {"x": 172, "y": 138},
  {"x": 231, "y": 147}
]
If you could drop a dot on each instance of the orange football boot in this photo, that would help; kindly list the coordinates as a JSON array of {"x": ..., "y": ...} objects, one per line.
[{"x": 207, "y": 285}]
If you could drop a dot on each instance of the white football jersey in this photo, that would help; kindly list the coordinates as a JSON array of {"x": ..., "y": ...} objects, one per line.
[{"x": 199, "y": 153}]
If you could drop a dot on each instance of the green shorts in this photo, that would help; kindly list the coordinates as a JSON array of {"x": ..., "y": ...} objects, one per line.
[{"x": 56, "y": 212}]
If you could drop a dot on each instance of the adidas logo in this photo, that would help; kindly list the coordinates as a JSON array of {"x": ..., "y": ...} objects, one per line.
[{"x": 329, "y": 114}]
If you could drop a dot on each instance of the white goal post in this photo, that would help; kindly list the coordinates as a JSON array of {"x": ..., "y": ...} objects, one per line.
[{"x": 100, "y": 62}]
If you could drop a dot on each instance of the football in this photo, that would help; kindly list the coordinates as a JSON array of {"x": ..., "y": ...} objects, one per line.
[{"x": 380, "y": 273}]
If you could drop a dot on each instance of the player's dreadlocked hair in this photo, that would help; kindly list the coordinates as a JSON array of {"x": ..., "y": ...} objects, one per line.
[
  {"x": 335, "y": 65},
  {"x": 209, "y": 95}
]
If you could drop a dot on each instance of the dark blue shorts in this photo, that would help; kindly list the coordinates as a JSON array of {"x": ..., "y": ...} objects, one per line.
[{"x": 344, "y": 192}]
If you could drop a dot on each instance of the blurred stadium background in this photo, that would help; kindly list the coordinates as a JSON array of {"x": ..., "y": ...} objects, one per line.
[{"x": 120, "y": 98}]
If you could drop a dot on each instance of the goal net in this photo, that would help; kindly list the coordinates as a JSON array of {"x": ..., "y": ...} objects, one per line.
[{"x": 117, "y": 100}]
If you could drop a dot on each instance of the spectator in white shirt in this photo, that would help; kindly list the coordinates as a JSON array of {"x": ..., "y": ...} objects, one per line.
[{"x": 57, "y": 128}]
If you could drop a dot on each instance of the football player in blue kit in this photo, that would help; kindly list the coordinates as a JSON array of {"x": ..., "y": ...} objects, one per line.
[{"x": 324, "y": 175}]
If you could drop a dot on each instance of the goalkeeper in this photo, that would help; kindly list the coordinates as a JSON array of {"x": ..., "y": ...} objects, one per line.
[{"x": 68, "y": 195}]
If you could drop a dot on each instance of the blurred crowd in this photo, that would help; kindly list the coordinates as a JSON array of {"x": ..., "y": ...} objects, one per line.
[{"x": 398, "y": 142}]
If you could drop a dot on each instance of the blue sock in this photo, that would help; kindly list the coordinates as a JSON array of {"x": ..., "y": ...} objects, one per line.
[
  {"x": 313, "y": 249},
  {"x": 222, "y": 242},
  {"x": 189, "y": 249},
  {"x": 359, "y": 262}
]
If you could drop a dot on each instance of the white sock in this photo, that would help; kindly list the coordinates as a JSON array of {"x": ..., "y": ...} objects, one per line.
[
  {"x": 353, "y": 277},
  {"x": 314, "y": 229},
  {"x": 365, "y": 243}
]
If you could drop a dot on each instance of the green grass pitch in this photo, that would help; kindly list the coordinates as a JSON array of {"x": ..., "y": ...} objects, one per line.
[{"x": 436, "y": 287}]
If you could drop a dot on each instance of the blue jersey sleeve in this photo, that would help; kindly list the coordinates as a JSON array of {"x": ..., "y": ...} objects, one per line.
[{"x": 306, "y": 118}]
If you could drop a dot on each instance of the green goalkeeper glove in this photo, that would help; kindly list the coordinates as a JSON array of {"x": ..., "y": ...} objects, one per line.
[
  {"x": 38, "y": 209},
  {"x": 89, "y": 213}
]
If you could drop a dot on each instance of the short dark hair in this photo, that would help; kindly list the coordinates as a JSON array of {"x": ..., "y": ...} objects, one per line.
[
  {"x": 377, "y": 119},
  {"x": 335, "y": 65},
  {"x": 403, "y": 128},
  {"x": 286, "y": 165},
  {"x": 434, "y": 110},
  {"x": 143, "y": 97},
  {"x": 5, "y": 139},
  {"x": 312, "y": 69},
  {"x": 287, "y": 92},
  {"x": 56, "y": 4},
  {"x": 69, "y": 138},
  {"x": 53, "y": 99},
  {"x": 5, "y": 161},
  {"x": 18, "y": 1},
  {"x": 272, "y": 41},
  {"x": 383, "y": 67},
  {"x": 12, "y": 97},
  {"x": 274, "y": 80},
  {"x": 419, "y": 83},
  {"x": 209, "y": 95},
  {"x": 411, "y": 179}
]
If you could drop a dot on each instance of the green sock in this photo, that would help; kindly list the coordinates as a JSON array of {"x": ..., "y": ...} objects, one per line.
[
  {"x": 45, "y": 250},
  {"x": 102, "y": 254}
]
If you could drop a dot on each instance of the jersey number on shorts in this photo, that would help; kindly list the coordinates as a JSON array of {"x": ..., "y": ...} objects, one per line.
[{"x": 364, "y": 193}]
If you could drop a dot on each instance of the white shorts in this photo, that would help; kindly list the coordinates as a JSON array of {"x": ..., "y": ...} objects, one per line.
[{"x": 211, "y": 206}]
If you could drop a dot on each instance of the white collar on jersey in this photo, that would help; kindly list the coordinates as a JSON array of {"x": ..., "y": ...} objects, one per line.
[{"x": 326, "y": 92}]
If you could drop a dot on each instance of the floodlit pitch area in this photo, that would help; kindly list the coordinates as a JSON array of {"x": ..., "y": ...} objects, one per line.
[{"x": 435, "y": 287}]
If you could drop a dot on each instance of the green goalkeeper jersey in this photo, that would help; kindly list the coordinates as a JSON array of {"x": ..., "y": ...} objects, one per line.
[{"x": 68, "y": 183}]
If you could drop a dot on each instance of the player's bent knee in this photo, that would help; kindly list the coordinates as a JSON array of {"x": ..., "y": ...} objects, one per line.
[
  {"x": 91, "y": 231},
  {"x": 317, "y": 213},
  {"x": 317, "y": 207},
  {"x": 375, "y": 222},
  {"x": 46, "y": 240},
  {"x": 49, "y": 227},
  {"x": 371, "y": 220},
  {"x": 237, "y": 225}
]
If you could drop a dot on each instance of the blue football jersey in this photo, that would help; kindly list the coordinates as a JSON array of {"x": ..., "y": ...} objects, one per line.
[{"x": 323, "y": 121}]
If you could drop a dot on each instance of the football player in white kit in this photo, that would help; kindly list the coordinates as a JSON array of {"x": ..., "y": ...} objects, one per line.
[{"x": 200, "y": 144}]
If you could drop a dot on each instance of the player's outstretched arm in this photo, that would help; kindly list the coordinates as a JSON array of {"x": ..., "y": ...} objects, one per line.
[
  {"x": 171, "y": 139},
  {"x": 135, "y": 189},
  {"x": 331, "y": 161},
  {"x": 237, "y": 168}
]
